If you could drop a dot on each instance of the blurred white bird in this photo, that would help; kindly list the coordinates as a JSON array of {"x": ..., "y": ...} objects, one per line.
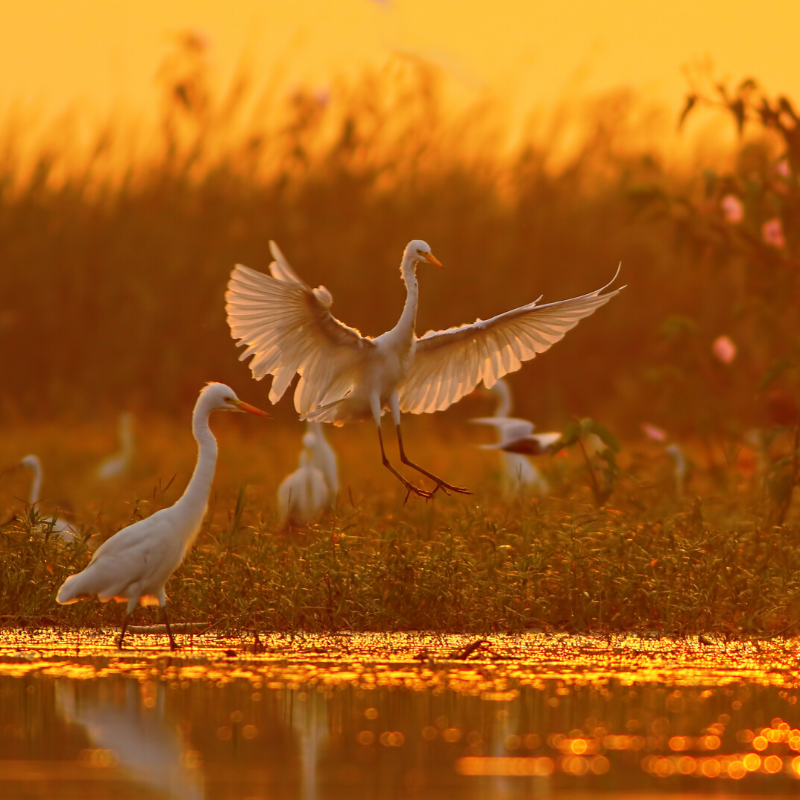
[
  {"x": 345, "y": 377},
  {"x": 674, "y": 451},
  {"x": 304, "y": 494},
  {"x": 323, "y": 458},
  {"x": 134, "y": 564},
  {"x": 676, "y": 454},
  {"x": 119, "y": 463},
  {"x": 519, "y": 473},
  {"x": 57, "y": 524}
]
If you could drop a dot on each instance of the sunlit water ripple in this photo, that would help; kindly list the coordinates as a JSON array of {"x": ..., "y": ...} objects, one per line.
[{"x": 394, "y": 715}]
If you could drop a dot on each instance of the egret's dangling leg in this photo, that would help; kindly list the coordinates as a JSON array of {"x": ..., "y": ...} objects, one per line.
[
  {"x": 376, "y": 413},
  {"x": 440, "y": 484}
]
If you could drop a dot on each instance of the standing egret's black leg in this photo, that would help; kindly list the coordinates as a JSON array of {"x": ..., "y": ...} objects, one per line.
[
  {"x": 124, "y": 628},
  {"x": 440, "y": 484},
  {"x": 409, "y": 486},
  {"x": 172, "y": 644}
]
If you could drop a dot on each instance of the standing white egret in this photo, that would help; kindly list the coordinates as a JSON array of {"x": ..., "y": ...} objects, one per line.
[
  {"x": 58, "y": 525},
  {"x": 323, "y": 458},
  {"x": 345, "y": 377},
  {"x": 519, "y": 474},
  {"x": 304, "y": 494},
  {"x": 134, "y": 564},
  {"x": 119, "y": 463}
]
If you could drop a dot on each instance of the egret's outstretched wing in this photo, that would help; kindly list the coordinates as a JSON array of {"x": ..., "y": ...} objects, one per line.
[
  {"x": 449, "y": 364},
  {"x": 287, "y": 327},
  {"x": 509, "y": 428},
  {"x": 534, "y": 445}
]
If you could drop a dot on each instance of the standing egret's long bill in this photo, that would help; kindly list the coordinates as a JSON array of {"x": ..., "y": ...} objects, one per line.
[
  {"x": 242, "y": 406},
  {"x": 287, "y": 327}
]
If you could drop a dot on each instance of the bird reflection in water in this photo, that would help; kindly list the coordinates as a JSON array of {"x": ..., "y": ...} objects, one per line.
[
  {"x": 141, "y": 739},
  {"x": 309, "y": 715}
]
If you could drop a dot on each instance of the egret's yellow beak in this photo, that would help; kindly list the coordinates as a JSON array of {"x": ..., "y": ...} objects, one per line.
[
  {"x": 242, "y": 406},
  {"x": 433, "y": 260}
]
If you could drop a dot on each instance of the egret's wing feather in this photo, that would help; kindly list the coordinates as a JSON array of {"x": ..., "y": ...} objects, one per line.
[
  {"x": 509, "y": 427},
  {"x": 288, "y": 328},
  {"x": 449, "y": 364}
]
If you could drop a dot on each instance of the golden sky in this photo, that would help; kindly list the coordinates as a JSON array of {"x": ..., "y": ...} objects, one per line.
[{"x": 102, "y": 55}]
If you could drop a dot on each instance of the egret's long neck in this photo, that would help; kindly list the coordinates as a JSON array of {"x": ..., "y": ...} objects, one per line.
[
  {"x": 36, "y": 486},
  {"x": 405, "y": 325},
  {"x": 503, "y": 399},
  {"x": 195, "y": 498}
]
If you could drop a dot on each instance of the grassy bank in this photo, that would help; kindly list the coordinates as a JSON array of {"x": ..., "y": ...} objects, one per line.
[{"x": 650, "y": 560}]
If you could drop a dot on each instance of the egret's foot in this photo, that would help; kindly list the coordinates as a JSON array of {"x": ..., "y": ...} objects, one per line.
[
  {"x": 448, "y": 487},
  {"x": 411, "y": 489}
]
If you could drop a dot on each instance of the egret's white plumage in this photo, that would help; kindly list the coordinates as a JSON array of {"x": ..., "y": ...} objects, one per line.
[
  {"x": 287, "y": 328},
  {"x": 323, "y": 458},
  {"x": 676, "y": 454},
  {"x": 134, "y": 564},
  {"x": 304, "y": 494},
  {"x": 515, "y": 436},
  {"x": 119, "y": 463},
  {"x": 56, "y": 524}
]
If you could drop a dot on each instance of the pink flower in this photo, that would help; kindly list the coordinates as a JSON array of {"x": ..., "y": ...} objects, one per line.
[
  {"x": 652, "y": 432},
  {"x": 772, "y": 232},
  {"x": 782, "y": 168},
  {"x": 732, "y": 208},
  {"x": 724, "y": 349}
]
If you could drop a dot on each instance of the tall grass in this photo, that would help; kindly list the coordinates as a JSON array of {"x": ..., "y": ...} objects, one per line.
[{"x": 113, "y": 270}]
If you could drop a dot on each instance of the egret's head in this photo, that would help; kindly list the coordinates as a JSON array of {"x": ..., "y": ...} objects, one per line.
[
  {"x": 218, "y": 395},
  {"x": 31, "y": 462},
  {"x": 421, "y": 251}
]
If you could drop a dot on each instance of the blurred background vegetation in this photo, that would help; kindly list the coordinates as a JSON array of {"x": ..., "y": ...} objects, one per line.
[{"x": 114, "y": 266}]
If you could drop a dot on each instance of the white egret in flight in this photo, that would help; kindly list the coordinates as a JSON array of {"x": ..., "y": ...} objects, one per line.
[
  {"x": 119, "y": 463},
  {"x": 287, "y": 327},
  {"x": 519, "y": 474},
  {"x": 56, "y": 523},
  {"x": 304, "y": 494},
  {"x": 134, "y": 564}
]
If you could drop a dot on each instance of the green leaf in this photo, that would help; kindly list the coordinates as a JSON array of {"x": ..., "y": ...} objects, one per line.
[
  {"x": 569, "y": 436},
  {"x": 677, "y": 326},
  {"x": 780, "y": 488},
  {"x": 774, "y": 371},
  {"x": 738, "y": 110},
  {"x": 603, "y": 433},
  {"x": 691, "y": 102},
  {"x": 747, "y": 85}
]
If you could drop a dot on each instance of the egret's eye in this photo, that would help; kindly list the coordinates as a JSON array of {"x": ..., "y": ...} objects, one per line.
[
  {"x": 420, "y": 252},
  {"x": 228, "y": 399}
]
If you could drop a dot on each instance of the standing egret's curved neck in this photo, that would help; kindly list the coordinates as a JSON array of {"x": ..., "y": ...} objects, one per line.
[
  {"x": 36, "y": 486},
  {"x": 408, "y": 319},
  {"x": 195, "y": 499},
  {"x": 503, "y": 398}
]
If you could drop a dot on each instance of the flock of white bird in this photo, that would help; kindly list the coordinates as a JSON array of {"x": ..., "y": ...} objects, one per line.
[{"x": 287, "y": 328}]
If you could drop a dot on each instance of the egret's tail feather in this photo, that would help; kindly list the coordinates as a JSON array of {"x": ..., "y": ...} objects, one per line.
[{"x": 72, "y": 590}]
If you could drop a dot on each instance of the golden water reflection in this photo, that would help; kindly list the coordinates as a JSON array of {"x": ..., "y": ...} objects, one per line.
[{"x": 397, "y": 716}]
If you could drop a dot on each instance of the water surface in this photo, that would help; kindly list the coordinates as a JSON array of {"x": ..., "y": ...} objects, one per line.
[{"x": 402, "y": 715}]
